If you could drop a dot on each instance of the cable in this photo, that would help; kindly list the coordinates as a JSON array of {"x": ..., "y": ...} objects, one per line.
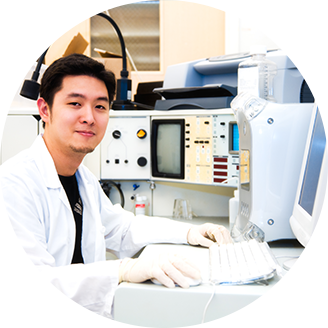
[
  {"x": 123, "y": 91},
  {"x": 104, "y": 184},
  {"x": 128, "y": 53},
  {"x": 124, "y": 72},
  {"x": 210, "y": 300},
  {"x": 208, "y": 303}
]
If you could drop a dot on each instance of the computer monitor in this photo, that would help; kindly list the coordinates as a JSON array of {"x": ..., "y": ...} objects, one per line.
[
  {"x": 312, "y": 182},
  {"x": 167, "y": 144}
]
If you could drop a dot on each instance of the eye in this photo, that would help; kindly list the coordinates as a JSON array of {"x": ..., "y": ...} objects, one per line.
[
  {"x": 101, "y": 107},
  {"x": 74, "y": 104}
]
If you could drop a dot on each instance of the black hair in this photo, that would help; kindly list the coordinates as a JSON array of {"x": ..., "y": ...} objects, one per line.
[{"x": 74, "y": 65}]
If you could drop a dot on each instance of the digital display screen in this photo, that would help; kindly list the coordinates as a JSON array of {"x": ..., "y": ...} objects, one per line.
[
  {"x": 169, "y": 148},
  {"x": 313, "y": 166},
  {"x": 235, "y": 137}
]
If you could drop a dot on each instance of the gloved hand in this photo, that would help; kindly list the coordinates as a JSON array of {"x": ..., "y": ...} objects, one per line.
[
  {"x": 168, "y": 269},
  {"x": 208, "y": 233}
]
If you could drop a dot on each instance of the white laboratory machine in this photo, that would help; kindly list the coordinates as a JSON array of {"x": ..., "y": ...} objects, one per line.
[
  {"x": 289, "y": 85},
  {"x": 272, "y": 142},
  {"x": 196, "y": 146}
]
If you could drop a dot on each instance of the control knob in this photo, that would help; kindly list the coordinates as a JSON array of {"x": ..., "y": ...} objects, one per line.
[{"x": 116, "y": 134}]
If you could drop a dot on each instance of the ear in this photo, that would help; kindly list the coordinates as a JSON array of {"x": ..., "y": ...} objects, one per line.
[{"x": 44, "y": 110}]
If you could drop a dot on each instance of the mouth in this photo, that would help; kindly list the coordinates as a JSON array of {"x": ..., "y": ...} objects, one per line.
[{"x": 86, "y": 133}]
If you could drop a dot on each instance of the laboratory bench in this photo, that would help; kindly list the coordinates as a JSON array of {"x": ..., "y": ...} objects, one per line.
[
  {"x": 149, "y": 305},
  {"x": 288, "y": 298}
]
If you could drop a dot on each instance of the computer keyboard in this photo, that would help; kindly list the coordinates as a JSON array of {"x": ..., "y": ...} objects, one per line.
[{"x": 241, "y": 262}]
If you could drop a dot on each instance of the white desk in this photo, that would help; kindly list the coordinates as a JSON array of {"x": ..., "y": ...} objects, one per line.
[{"x": 149, "y": 305}]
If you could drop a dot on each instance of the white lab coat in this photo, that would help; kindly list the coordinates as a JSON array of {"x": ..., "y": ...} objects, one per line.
[{"x": 41, "y": 216}]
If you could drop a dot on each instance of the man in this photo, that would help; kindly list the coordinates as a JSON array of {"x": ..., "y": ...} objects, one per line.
[{"x": 59, "y": 211}]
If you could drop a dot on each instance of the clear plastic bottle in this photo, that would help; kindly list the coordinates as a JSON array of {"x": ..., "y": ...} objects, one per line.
[
  {"x": 233, "y": 208},
  {"x": 256, "y": 74}
]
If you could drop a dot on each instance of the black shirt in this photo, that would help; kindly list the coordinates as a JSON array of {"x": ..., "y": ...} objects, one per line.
[{"x": 73, "y": 195}]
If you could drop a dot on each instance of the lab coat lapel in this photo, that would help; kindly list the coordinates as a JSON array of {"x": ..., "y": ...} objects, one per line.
[
  {"x": 64, "y": 215},
  {"x": 48, "y": 170},
  {"x": 93, "y": 242}
]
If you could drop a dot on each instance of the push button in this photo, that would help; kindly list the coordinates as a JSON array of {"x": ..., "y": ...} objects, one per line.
[
  {"x": 141, "y": 134},
  {"x": 142, "y": 161}
]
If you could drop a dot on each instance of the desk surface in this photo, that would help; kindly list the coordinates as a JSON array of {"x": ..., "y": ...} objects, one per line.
[{"x": 149, "y": 305}]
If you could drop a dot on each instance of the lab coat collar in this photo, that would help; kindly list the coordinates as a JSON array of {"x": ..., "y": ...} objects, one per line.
[
  {"x": 45, "y": 163},
  {"x": 47, "y": 169}
]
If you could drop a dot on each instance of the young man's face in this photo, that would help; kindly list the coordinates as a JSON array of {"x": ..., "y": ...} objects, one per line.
[{"x": 79, "y": 116}]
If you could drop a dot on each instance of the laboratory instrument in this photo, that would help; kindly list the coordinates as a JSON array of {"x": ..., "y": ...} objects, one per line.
[
  {"x": 221, "y": 73},
  {"x": 256, "y": 74},
  {"x": 272, "y": 138},
  {"x": 196, "y": 146}
]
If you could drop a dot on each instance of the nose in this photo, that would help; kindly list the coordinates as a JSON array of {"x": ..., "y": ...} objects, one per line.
[{"x": 87, "y": 116}]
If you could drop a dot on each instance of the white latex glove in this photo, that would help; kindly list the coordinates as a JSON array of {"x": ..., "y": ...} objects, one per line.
[
  {"x": 168, "y": 269},
  {"x": 208, "y": 233}
]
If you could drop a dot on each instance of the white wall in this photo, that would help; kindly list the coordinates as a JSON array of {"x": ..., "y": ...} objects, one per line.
[{"x": 275, "y": 31}]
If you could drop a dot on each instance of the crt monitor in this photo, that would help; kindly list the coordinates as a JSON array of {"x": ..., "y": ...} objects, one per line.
[
  {"x": 312, "y": 182},
  {"x": 167, "y": 148}
]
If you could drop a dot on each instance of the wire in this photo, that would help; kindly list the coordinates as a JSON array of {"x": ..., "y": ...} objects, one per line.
[
  {"x": 106, "y": 188},
  {"x": 208, "y": 303}
]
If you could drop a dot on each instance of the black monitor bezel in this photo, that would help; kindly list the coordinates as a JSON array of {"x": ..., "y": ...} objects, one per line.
[{"x": 154, "y": 133}]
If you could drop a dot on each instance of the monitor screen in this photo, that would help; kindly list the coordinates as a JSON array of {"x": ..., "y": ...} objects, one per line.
[
  {"x": 167, "y": 143},
  {"x": 313, "y": 166},
  {"x": 233, "y": 138}
]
